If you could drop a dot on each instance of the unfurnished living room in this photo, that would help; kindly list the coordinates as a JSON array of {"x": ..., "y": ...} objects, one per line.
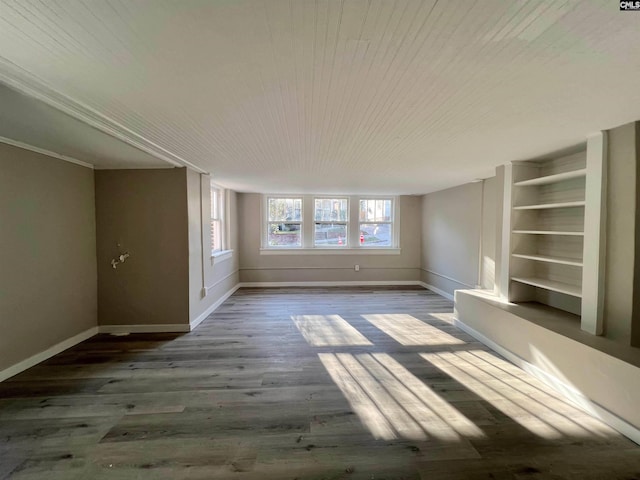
[{"x": 320, "y": 239}]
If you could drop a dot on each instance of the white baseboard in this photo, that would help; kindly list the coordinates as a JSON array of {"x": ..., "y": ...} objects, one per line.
[
  {"x": 48, "y": 353},
  {"x": 332, "y": 283},
  {"x": 197, "y": 321},
  {"x": 151, "y": 328},
  {"x": 437, "y": 290},
  {"x": 569, "y": 392}
]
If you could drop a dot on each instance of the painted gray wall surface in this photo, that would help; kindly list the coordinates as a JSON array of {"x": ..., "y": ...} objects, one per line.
[
  {"x": 47, "y": 253},
  {"x": 313, "y": 268},
  {"x": 635, "y": 318},
  {"x": 489, "y": 225},
  {"x": 499, "y": 276},
  {"x": 145, "y": 211},
  {"x": 451, "y": 230},
  {"x": 620, "y": 247},
  {"x": 217, "y": 276}
]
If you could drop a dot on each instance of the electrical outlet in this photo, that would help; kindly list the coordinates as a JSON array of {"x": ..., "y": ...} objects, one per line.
[
  {"x": 203, "y": 292},
  {"x": 357, "y": 268}
]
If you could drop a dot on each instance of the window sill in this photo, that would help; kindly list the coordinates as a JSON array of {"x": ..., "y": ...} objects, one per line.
[
  {"x": 330, "y": 251},
  {"x": 221, "y": 256}
]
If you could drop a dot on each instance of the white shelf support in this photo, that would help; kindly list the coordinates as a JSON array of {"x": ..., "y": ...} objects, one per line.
[
  {"x": 543, "y": 206},
  {"x": 505, "y": 254},
  {"x": 558, "y": 177},
  {"x": 566, "y": 233},
  {"x": 550, "y": 259},
  {"x": 594, "y": 235},
  {"x": 552, "y": 285}
]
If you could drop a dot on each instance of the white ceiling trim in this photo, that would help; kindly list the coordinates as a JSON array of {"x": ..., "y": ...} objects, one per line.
[
  {"x": 23, "y": 81},
  {"x": 42, "y": 151}
]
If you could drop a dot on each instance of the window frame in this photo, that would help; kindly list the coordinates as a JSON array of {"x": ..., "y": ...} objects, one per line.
[
  {"x": 307, "y": 227},
  {"x": 394, "y": 232},
  {"x": 219, "y": 215},
  {"x": 266, "y": 222},
  {"x": 346, "y": 223}
]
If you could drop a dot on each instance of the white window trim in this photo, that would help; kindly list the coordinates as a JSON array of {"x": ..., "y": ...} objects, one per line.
[
  {"x": 353, "y": 233},
  {"x": 395, "y": 223},
  {"x": 224, "y": 253},
  {"x": 265, "y": 221},
  {"x": 220, "y": 256},
  {"x": 346, "y": 222},
  {"x": 330, "y": 251}
]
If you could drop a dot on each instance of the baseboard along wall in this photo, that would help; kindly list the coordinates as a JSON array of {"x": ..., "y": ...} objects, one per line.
[{"x": 46, "y": 354}]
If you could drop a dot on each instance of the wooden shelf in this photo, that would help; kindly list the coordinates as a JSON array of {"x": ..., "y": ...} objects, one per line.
[
  {"x": 549, "y": 259},
  {"x": 558, "y": 177},
  {"x": 550, "y": 232},
  {"x": 552, "y": 285},
  {"x": 542, "y": 206}
]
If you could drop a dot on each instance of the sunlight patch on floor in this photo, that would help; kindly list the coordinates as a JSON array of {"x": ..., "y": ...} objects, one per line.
[
  {"x": 328, "y": 331},
  {"x": 448, "y": 317},
  {"x": 408, "y": 330},
  {"x": 570, "y": 392},
  {"x": 404, "y": 379},
  {"x": 531, "y": 405},
  {"x": 391, "y": 402}
]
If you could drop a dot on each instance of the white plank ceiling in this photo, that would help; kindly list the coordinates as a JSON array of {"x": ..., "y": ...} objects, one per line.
[{"x": 376, "y": 96}]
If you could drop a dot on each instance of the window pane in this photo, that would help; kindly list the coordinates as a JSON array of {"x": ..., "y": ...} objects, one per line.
[
  {"x": 217, "y": 219},
  {"x": 375, "y": 234},
  {"x": 285, "y": 209},
  {"x": 215, "y": 204},
  {"x": 331, "y": 235},
  {"x": 216, "y": 235},
  {"x": 331, "y": 209},
  {"x": 376, "y": 210},
  {"x": 284, "y": 235}
]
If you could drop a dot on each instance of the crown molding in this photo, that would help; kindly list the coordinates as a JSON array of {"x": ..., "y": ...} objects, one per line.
[
  {"x": 23, "y": 81},
  {"x": 42, "y": 151}
]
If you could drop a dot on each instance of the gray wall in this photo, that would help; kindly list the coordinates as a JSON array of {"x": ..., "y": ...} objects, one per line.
[
  {"x": 488, "y": 236},
  {"x": 454, "y": 222},
  {"x": 47, "y": 253},
  {"x": 218, "y": 277},
  {"x": 312, "y": 268},
  {"x": 635, "y": 318},
  {"x": 145, "y": 212},
  {"x": 621, "y": 227}
]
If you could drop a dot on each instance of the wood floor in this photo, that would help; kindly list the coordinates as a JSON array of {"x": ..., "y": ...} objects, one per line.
[{"x": 348, "y": 383}]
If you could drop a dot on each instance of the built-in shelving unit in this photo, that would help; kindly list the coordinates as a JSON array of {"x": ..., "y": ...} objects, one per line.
[{"x": 553, "y": 208}]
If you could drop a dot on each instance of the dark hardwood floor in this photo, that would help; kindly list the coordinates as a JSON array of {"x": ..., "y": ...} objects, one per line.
[{"x": 331, "y": 383}]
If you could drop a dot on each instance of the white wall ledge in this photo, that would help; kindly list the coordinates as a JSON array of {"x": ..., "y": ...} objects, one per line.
[
  {"x": 221, "y": 256},
  {"x": 605, "y": 385},
  {"x": 330, "y": 251}
]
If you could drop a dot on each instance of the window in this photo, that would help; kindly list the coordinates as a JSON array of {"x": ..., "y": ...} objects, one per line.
[
  {"x": 376, "y": 222},
  {"x": 218, "y": 240},
  {"x": 284, "y": 222},
  {"x": 313, "y": 224},
  {"x": 331, "y": 222}
]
